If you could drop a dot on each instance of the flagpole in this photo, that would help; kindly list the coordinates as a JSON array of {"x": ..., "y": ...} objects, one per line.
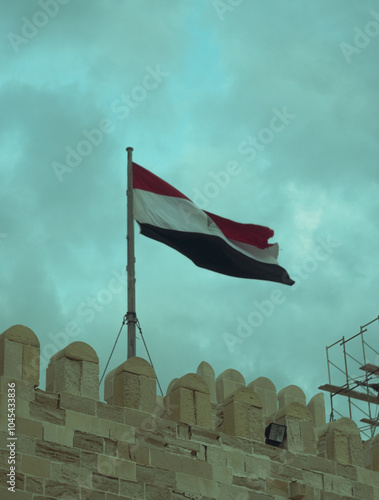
[{"x": 131, "y": 314}]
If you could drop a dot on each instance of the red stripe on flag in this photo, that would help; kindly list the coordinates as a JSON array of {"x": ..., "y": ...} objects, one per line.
[
  {"x": 147, "y": 181},
  {"x": 251, "y": 234}
]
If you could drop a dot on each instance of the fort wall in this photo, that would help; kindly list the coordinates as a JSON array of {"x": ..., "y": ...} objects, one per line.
[{"x": 204, "y": 440}]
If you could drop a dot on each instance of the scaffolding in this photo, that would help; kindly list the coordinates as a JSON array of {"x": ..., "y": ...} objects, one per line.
[{"x": 361, "y": 390}]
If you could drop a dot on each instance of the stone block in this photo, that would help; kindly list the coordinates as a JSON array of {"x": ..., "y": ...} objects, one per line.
[
  {"x": 228, "y": 382},
  {"x": 291, "y": 394},
  {"x": 317, "y": 408},
  {"x": 256, "y": 484},
  {"x": 196, "y": 468},
  {"x": 28, "y": 427},
  {"x": 91, "y": 494},
  {"x": 134, "y": 385},
  {"x": 57, "y": 452},
  {"x": 189, "y": 401},
  {"x": 207, "y": 373},
  {"x": 153, "y": 475},
  {"x": 58, "y": 434},
  {"x": 132, "y": 489},
  {"x": 108, "y": 412},
  {"x": 300, "y": 434},
  {"x": 34, "y": 484},
  {"x": 266, "y": 391},
  {"x": 342, "y": 442},
  {"x": 18, "y": 495},
  {"x": 105, "y": 483},
  {"x": 301, "y": 491},
  {"x": 77, "y": 403},
  {"x": 74, "y": 369},
  {"x": 20, "y": 354},
  {"x": 57, "y": 489},
  {"x": 242, "y": 415},
  {"x": 88, "y": 442},
  {"x": 45, "y": 407},
  {"x": 257, "y": 465},
  {"x": 164, "y": 460},
  {"x": 157, "y": 493},
  {"x": 277, "y": 487}
]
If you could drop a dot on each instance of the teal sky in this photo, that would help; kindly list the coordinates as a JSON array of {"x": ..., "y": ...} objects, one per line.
[{"x": 283, "y": 95}]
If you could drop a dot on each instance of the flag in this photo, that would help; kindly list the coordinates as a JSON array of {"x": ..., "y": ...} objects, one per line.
[{"x": 210, "y": 241}]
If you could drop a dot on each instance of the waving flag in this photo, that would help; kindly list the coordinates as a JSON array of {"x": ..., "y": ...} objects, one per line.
[{"x": 210, "y": 241}]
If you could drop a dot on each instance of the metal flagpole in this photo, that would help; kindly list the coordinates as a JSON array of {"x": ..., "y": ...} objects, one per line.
[{"x": 130, "y": 268}]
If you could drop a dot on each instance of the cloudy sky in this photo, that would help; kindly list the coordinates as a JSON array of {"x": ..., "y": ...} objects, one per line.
[{"x": 261, "y": 112}]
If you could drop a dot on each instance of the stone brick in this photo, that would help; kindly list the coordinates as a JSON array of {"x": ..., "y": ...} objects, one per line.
[
  {"x": 89, "y": 460},
  {"x": 105, "y": 483},
  {"x": 132, "y": 489},
  {"x": 227, "y": 382},
  {"x": 159, "y": 477},
  {"x": 207, "y": 373},
  {"x": 259, "y": 466},
  {"x": 202, "y": 435},
  {"x": 251, "y": 483},
  {"x": 110, "y": 447},
  {"x": 157, "y": 493},
  {"x": 320, "y": 464},
  {"x": 125, "y": 469},
  {"x": 108, "y": 412},
  {"x": 163, "y": 460},
  {"x": 338, "y": 485},
  {"x": 74, "y": 369},
  {"x": 56, "y": 489},
  {"x": 34, "y": 466},
  {"x": 286, "y": 473},
  {"x": 363, "y": 491},
  {"x": 28, "y": 427},
  {"x": 68, "y": 473},
  {"x": 91, "y": 494},
  {"x": 188, "y": 401},
  {"x": 242, "y": 415},
  {"x": 77, "y": 403},
  {"x": 134, "y": 385},
  {"x": 19, "y": 478},
  {"x": 188, "y": 483},
  {"x": 18, "y": 495},
  {"x": 57, "y": 452},
  {"x": 88, "y": 442},
  {"x": 46, "y": 408},
  {"x": 34, "y": 484},
  {"x": 196, "y": 468},
  {"x": 266, "y": 391},
  {"x": 58, "y": 434},
  {"x": 277, "y": 487}
]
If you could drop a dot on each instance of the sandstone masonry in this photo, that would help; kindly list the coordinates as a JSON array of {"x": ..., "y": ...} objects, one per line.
[{"x": 204, "y": 440}]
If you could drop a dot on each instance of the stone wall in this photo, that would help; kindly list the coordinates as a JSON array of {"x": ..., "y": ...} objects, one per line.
[{"x": 204, "y": 440}]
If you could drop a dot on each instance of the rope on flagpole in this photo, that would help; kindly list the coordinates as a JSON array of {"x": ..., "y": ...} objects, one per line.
[
  {"x": 125, "y": 322},
  {"x": 147, "y": 350}
]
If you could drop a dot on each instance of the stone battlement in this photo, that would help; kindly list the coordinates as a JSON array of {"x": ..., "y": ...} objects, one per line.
[{"x": 204, "y": 440}]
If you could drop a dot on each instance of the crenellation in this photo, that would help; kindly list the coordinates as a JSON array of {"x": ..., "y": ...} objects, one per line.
[
  {"x": 204, "y": 440},
  {"x": 227, "y": 382}
]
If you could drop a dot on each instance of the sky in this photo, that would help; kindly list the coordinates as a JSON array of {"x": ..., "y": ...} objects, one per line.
[{"x": 261, "y": 112}]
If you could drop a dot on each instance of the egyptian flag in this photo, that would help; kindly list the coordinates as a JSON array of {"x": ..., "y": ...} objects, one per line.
[{"x": 210, "y": 241}]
